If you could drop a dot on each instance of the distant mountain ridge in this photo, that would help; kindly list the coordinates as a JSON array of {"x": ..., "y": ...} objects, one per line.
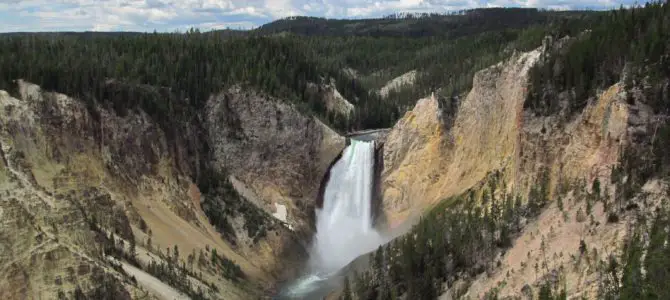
[
  {"x": 420, "y": 25},
  {"x": 452, "y": 25}
]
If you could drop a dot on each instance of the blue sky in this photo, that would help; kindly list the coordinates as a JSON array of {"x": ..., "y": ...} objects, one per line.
[{"x": 179, "y": 15}]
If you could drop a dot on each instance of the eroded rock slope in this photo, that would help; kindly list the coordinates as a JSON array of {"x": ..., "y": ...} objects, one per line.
[{"x": 80, "y": 185}]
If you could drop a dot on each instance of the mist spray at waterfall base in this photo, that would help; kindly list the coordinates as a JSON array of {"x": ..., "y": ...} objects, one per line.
[{"x": 344, "y": 226}]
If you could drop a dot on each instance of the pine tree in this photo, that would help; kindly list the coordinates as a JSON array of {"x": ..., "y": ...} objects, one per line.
[
  {"x": 191, "y": 259},
  {"x": 132, "y": 250},
  {"x": 632, "y": 281},
  {"x": 595, "y": 188},
  {"x": 201, "y": 259},
  {"x": 176, "y": 254},
  {"x": 346, "y": 292},
  {"x": 394, "y": 293},
  {"x": 657, "y": 260},
  {"x": 214, "y": 257},
  {"x": 545, "y": 292}
]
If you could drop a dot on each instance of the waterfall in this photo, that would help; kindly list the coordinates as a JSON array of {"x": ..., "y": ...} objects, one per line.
[{"x": 344, "y": 223}]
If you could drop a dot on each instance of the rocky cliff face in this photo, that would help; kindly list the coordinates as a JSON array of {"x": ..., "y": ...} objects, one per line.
[
  {"x": 331, "y": 98},
  {"x": 397, "y": 83},
  {"x": 440, "y": 148},
  {"x": 71, "y": 175},
  {"x": 274, "y": 152},
  {"x": 445, "y": 146},
  {"x": 574, "y": 153},
  {"x": 49, "y": 248}
]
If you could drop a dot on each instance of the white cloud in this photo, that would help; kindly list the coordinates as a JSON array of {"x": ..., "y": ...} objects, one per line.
[
  {"x": 281, "y": 8},
  {"x": 168, "y": 15}
]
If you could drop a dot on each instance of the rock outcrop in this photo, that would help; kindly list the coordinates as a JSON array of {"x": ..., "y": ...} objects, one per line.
[
  {"x": 273, "y": 150},
  {"x": 397, "y": 83},
  {"x": 428, "y": 158},
  {"x": 331, "y": 98}
]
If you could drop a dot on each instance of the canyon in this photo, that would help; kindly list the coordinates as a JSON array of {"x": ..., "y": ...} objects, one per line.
[
  {"x": 289, "y": 175},
  {"x": 63, "y": 168}
]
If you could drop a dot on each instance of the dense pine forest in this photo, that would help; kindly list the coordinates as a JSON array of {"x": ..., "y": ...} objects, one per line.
[
  {"x": 454, "y": 25},
  {"x": 171, "y": 75},
  {"x": 631, "y": 42}
]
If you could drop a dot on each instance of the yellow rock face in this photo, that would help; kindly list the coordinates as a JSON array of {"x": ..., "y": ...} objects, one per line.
[
  {"x": 596, "y": 137},
  {"x": 426, "y": 162},
  {"x": 53, "y": 155}
]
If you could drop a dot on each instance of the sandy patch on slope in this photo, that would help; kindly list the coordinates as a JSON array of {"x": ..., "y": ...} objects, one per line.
[{"x": 169, "y": 229}]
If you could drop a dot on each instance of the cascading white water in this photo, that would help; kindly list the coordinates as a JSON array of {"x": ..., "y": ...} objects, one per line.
[{"x": 344, "y": 223}]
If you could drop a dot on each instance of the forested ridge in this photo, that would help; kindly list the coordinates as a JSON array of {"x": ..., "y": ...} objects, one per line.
[
  {"x": 630, "y": 44},
  {"x": 446, "y": 50},
  {"x": 125, "y": 70},
  {"x": 450, "y": 25},
  {"x": 190, "y": 66}
]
